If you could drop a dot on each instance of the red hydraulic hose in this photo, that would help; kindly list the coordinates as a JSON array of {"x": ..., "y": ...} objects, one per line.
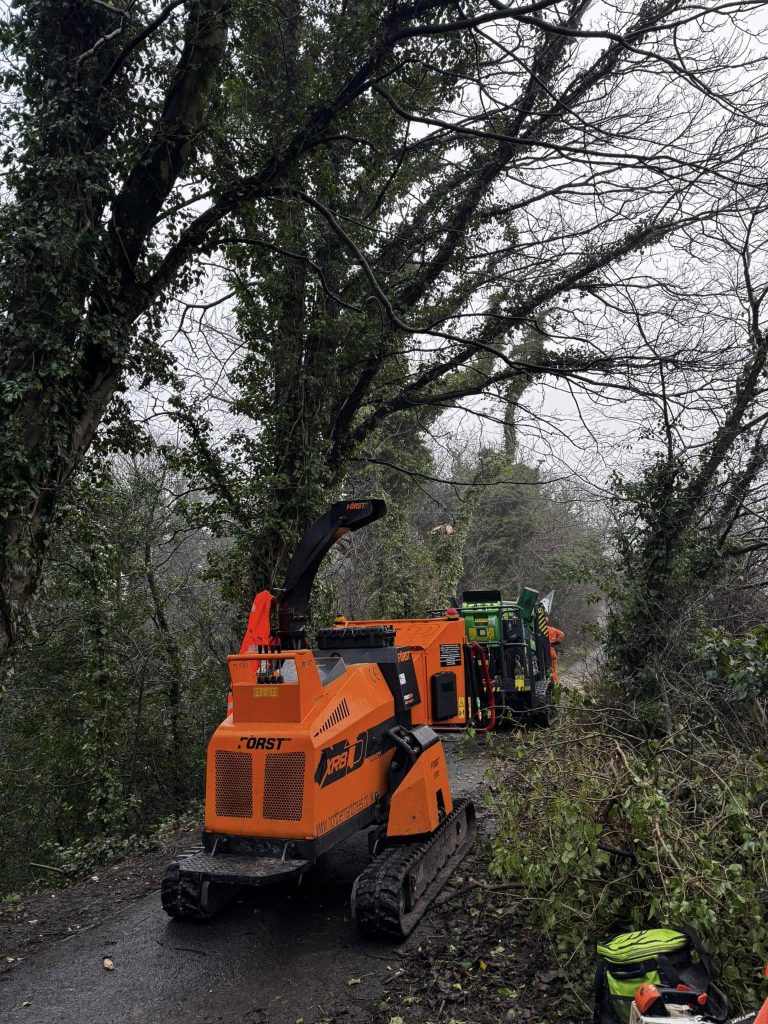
[
  {"x": 488, "y": 687},
  {"x": 474, "y": 646}
]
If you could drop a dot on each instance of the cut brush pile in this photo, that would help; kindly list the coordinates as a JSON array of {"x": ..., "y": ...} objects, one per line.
[{"x": 602, "y": 832}]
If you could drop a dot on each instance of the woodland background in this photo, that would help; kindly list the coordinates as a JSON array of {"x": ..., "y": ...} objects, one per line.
[{"x": 503, "y": 265}]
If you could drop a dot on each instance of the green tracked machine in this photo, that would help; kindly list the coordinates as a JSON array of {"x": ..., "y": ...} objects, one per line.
[{"x": 516, "y": 638}]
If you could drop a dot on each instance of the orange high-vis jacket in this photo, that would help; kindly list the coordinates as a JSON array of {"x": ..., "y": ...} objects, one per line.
[
  {"x": 556, "y": 636},
  {"x": 258, "y": 633}
]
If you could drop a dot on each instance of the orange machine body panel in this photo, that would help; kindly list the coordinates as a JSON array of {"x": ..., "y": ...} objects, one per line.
[
  {"x": 304, "y": 749},
  {"x": 436, "y": 645},
  {"x": 414, "y": 810},
  {"x": 299, "y": 755}
]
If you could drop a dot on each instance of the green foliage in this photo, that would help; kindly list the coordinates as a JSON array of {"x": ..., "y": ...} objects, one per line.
[
  {"x": 65, "y": 335},
  {"x": 312, "y": 342},
  {"x": 653, "y": 570},
  {"x": 661, "y": 588},
  {"x": 83, "y": 855},
  {"x": 393, "y": 568},
  {"x": 690, "y": 816},
  {"x": 122, "y": 678},
  {"x": 496, "y": 526},
  {"x": 526, "y": 532},
  {"x": 737, "y": 667}
]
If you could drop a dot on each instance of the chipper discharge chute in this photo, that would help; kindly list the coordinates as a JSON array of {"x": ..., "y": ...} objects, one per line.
[{"x": 322, "y": 743}]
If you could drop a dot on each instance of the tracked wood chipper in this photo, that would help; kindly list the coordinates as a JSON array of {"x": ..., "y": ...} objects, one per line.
[{"x": 319, "y": 744}]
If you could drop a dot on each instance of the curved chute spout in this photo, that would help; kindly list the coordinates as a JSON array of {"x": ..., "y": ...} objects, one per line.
[{"x": 293, "y": 604}]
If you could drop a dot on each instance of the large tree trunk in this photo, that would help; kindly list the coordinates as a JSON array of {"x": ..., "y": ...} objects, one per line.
[{"x": 71, "y": 285}]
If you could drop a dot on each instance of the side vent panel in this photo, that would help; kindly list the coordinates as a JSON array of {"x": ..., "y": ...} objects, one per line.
[
  {"x": 339, "y": 713},
  {"x": 284, "y": 786},
  {"x": 234, "y": 784}
]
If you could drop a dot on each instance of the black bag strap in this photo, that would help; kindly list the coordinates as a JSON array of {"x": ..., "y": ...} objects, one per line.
[
  {"x": 604, "y": 1012},
  {"x": 634, "y": 970},
  {"x": 599, "y": 987},
  {"x": 693, "y": 937},
  {"x": 604, "y": 1008}
]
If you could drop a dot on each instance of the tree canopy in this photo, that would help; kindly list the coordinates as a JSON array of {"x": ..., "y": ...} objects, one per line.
[{"x": 392, "y": 192}]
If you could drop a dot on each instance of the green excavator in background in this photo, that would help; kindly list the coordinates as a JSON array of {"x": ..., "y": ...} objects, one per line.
[{"x": 520, "y": 647}]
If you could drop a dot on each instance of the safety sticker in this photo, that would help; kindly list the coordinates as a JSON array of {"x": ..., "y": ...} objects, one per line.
[{"x": 450, "y": 654}]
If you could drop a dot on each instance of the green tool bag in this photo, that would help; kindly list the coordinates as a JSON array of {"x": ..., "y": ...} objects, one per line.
[{"x": 659, "y": 956}]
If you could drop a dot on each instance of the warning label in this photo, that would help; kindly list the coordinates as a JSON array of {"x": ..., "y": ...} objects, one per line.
[{"x": 450, "y": 654}]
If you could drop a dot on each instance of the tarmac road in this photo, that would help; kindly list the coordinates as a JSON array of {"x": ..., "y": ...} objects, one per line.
[{"x": 279, "y": 956}]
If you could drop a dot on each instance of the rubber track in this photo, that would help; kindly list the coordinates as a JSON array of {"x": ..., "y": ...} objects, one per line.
[
  {"x": 378, "y": 892},
  {"x": 181, "y": 896}
]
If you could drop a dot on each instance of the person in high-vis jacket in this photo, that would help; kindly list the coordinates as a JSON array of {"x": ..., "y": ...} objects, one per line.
[{"x": 556, "y": 637}]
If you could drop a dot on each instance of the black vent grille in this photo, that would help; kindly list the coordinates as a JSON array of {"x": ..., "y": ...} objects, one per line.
[
  {"x": 234, "y": 784},
  {"x": 284, "y": 786},
  {"x": 339, "y": 713}
]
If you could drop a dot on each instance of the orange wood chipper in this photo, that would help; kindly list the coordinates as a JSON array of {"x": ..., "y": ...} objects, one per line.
[{"x": 319, "y": 744}]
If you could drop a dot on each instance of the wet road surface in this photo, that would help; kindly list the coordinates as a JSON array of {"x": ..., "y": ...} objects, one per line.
[{"x": 278, "y": 956}]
